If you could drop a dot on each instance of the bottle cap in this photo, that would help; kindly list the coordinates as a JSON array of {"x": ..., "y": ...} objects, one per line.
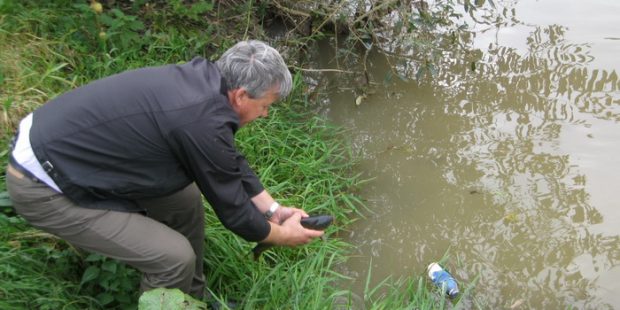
[{"x": 432, "y": 268}]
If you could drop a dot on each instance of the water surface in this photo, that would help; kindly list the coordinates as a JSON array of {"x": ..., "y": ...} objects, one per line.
[{"x": 512, "y": 165}]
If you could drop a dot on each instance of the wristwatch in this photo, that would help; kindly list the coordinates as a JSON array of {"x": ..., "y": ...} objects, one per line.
[{"x": 272, "y": 210}]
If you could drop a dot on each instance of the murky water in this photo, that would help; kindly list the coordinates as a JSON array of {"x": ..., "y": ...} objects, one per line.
[{"x": 512, "y": 168}]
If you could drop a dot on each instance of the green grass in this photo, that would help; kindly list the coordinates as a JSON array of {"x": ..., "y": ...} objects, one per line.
[
  {"x": 47, "y": 48},
  {"x": 38, "y": 271}
]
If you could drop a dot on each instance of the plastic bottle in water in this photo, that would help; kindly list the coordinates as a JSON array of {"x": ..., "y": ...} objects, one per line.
[{"x": 441, "y": 278}]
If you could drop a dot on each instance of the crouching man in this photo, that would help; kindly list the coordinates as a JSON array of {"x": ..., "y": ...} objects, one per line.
[{"x": 118, "y": 166}]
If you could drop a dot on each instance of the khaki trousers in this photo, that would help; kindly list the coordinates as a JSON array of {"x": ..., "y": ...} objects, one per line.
[{"x": 166, "y": 245}]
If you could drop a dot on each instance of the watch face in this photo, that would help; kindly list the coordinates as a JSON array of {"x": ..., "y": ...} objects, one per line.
[
  {"x": 272, "y": 209},
  {"x": 268, "y": 214}
]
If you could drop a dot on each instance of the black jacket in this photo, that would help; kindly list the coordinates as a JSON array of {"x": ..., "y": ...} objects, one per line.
[{"x": 147, "y": 133}]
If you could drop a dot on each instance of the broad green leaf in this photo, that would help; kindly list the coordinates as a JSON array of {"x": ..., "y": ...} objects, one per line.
[
  {"x": 169, "y": 299},
  {"x": 90, "y": 274},
  {"x": 113, "y": 285},
  {"x": 105, "y": 283},
  {"x": 161, "y": 299},
  {"x": 105, "y": 298},
  {"x": 109, "y": 266},
  {"x": 119, "y": 14},
  {"x": 107, "y": 20}
]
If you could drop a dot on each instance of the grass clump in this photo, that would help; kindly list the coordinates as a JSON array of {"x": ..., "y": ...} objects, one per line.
[
  {"x": 38, "y": 271},
  {"x": 30, "y": 73}
]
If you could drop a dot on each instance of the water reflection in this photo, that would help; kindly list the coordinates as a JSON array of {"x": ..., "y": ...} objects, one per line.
[{"x": 473, "y": 161}]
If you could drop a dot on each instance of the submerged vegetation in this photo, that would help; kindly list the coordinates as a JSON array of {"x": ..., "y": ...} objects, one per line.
[{"x": 49, "y": 47}]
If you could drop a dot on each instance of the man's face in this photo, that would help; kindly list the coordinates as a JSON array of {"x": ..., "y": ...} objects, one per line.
[{"x": 249, "y": 108}]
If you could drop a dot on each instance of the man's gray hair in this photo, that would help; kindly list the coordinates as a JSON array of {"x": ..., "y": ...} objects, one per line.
[{"x": 256, "y": 67}]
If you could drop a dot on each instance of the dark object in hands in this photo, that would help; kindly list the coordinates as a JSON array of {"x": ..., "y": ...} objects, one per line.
[{"x": 317, "y": 222}]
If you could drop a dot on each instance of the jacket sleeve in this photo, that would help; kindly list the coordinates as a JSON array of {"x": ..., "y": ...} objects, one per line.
[
  {"x": 251, "y": 182},
  {"x": 208, "y": 155}
]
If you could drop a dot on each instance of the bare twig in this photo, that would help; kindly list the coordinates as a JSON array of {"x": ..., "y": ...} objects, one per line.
[
  {"x": 322, "y": 70},
  {"x": 328, "y": 18},
  {"x": 289, "y": 10}
]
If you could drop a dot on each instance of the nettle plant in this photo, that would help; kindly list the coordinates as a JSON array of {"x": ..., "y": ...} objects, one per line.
[
  {"x": 111, "y": 282},
  {"x": 112, "y": 27}
]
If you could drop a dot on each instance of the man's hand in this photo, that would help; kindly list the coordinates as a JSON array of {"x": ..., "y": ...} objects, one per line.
[
  {"x": 283, "y": 213},
  {"x": 291, "y": 233},
  {"x": 297, "y": 234}
]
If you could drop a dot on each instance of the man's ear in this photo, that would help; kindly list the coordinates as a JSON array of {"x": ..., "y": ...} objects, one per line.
[{"x": 237, "y": 96}]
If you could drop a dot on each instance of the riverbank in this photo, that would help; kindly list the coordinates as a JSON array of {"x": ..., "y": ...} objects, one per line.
[{"x": 51, "y": 48}]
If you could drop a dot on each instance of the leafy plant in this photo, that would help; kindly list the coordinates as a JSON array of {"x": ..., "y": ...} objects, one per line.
[
  {"x": 113, "y": 27},
  {"x": 123, "y": 30},
  {"x": 113, "y": 282}
]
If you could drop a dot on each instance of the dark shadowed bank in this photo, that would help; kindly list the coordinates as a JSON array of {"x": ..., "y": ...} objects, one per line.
[{"x": 49, "y": 47}]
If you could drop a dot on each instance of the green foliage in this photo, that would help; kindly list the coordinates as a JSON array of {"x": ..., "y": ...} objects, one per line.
[
  {"x": 124, "y": 31},
  {"x": 112, "y": 283},
  {"x": 37, "y": 271}
]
